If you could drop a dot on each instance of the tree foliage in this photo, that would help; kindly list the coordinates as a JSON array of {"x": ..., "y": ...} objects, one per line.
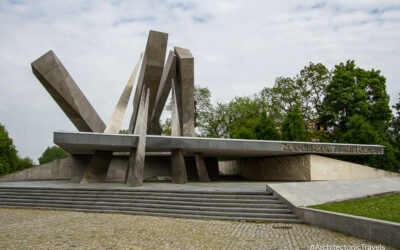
[
  {"x": 355, "y": 91},
  {"x": 346, "y": 104},
  {"x": 9, "y": 160},
  {"x": 51, "y": 154},
  {"x": 293, "y": 127}
]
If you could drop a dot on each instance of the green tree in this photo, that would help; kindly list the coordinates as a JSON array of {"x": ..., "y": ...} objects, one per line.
[
  {"x": 265, "y": 128},
  {"x": 9, "y": 160},
  {"x": 8, "y": 153},
  {"x": 312, "y": 82},
  {"x": 395, "y": 128},
  {"x": 293, "y": 127},
  {"x": 51, "y": 154},
  {"x": 166, "y": 127},
  {"x": 360, "y": 131},
  {"x": 355, "y": 91}
]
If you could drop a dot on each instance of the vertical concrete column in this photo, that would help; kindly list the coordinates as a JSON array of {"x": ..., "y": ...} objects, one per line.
[
  {"x": 185, "y": 90},
  {"x": 185, "y": 102},
  {"x": 136, "y": 161},
  {"x": 178, "y": 168}
]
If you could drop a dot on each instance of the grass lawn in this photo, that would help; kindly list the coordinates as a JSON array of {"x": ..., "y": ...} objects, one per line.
[{"x": 383, "y": 207}]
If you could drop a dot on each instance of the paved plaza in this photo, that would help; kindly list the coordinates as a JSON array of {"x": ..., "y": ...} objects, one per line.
[{"x": 48, "y": 229}]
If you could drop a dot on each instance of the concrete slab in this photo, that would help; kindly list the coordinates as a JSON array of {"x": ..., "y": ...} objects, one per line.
[
  {"x": 320, "y": 192},
  {"x": 87, "y": 143}
]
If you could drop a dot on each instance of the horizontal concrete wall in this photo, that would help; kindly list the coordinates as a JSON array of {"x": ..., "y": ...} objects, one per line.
[
  {"x": 288, "y": 168},
  {"x": 229, "y": 167},
  {"x": 383, "y": 232},
  {"x": 307, "y": 167},
  {"x": 325, "y": 168},
  {"x": 55, "y": 170}
]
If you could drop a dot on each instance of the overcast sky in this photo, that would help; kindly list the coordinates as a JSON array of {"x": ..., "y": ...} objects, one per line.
[{"x": 239, "y": 48}]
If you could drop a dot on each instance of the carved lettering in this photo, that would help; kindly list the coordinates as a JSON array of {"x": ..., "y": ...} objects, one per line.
[{"x": 328, "y": 148}]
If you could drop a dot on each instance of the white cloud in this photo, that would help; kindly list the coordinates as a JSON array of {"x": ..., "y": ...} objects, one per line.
[{"x": 239, "y": 48}]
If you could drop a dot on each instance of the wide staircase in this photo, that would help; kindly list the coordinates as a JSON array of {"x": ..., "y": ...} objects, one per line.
[{"x": 246, "y": 206}]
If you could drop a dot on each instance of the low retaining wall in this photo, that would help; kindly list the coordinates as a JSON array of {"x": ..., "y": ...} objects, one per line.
[
  {"x": 384, "y": 232},
  {"x": 307, "y": 167},
  {"x": 55, "y": 170}
]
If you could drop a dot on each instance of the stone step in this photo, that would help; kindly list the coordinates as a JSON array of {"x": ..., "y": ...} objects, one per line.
[
  {"x": 135, "y": 190},
  {"x": 152, "y": 210},
  {"x": 253, "y": 219},
  {"x": 202, "y": 202},
  {"x": 151, "y": 205},
  {"x": 162, "y": 194}
]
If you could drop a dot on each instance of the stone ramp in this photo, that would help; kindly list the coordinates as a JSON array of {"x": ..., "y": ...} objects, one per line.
[
  {"x": 201, "y": 204},
  {"x": 320, "y": 192}
]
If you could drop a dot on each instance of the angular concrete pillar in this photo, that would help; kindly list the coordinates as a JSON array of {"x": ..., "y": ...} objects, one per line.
[
  {"x": 58, "y": 82},
  {"x": 178, "y": 168},
  {"x": 185, "y": 90},
  {"x": 136, "y": 161},
  {"x": 119, "y": 112},
  {"x": 150, "y": 72},
  {"x": 169, "y": 73},
  {"x": 97, "y": 168},
  {"x": 201, "y": 168}
]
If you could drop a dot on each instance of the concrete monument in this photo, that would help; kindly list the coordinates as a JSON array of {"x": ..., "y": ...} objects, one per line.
[{"x": 145, "y": 153}]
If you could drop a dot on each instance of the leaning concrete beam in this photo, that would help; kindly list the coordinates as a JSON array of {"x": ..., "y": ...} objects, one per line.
[
  {"x": 136, "y": 161},
  {"x": 150, "y": 72},
  {"x": 169, "y": 73},
  {"x": 57, "y": 81},
  {"x": 97, "y": 168},
  {"x": 201, "y": 168},
  {"x": 178, "y": 169},
  {"x": 185, "y": 90},
  {"x": 116, "y": 119}
]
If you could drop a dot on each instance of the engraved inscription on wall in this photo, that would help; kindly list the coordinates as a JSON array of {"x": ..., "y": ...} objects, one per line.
[{"x": 325, "y": 148}]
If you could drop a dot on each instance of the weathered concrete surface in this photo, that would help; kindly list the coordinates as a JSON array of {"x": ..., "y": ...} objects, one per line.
[
  {"x": 97, "y": 168},
  {"x": 324, "y": 168},
  {"x": 137, "y": 161},
  {"x": 185, "y": 90},
  {"x": 118, "y": 115},
  {"x": 212, "y": 168},
  {"x": 229, "y": 167},
  {"x": 169, "y": 73},
  {"x": 87, "y": 143},
  {"x": 319, "y": 192},
  {"x": 55, "y": 170},
  {"x": 78, "y": 166},
  {"x": 288, "y": 168},
  {"x": 150, "y": 72},
  {"x": 178, "y": 169},
  {"x": 305, "y": 168},
  {"x": 60, "y": 85},
  {"x": 201, "y": 168},
  {"x": 178, "y": 165},
  {"x": 384, "y": 232}
]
